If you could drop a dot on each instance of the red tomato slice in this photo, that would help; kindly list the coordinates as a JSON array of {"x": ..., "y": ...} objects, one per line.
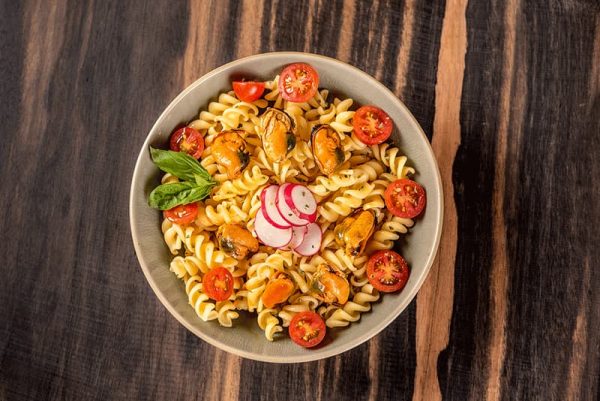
[
  {"x": 372, "y": 125},
  {"x": 387, "y": 271},
  {"x": 298, "y": 82},
  {"x": 248, "y": 91},
  {"x": 405, "y": 198},
  {"x": 218, "y": 284},
  {"x": 187, "y": 140},
  {"x": 307, "y": 329},
  {"x": 182, "y": 214}
]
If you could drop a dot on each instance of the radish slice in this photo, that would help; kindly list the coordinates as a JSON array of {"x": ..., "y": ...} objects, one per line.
[
  {"x": 269, "y": 234},
  {"x": 286, "y": 211},
  {"x": 312, "y": 241},
  {"x": 268, "y": 197},
  {"x": 301, "y": 201},
  {"x": 298, "y": 234}
]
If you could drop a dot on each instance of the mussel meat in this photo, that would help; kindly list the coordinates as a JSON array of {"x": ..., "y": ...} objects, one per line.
[
  {"x": 236, "y": 241},
  {"x": 354, "y": 231},
  {"x": 330, "y": 285},
  {"x": 230, "y": 151},
  {"x": 278, "y": 290},
  {"x": 327, "y": 148},
  {"x": 279, "y": 134}
]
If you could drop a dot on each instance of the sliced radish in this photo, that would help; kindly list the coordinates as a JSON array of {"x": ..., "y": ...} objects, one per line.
[
  {"x": 301, "y": 201},
  {"x": 298, "y": 234},
  {"x": 312, "y": 241},
  {"x": 268, "y": 196},
  {"x": 269, "y": 234},
  {"x": 286, "y": 211}
]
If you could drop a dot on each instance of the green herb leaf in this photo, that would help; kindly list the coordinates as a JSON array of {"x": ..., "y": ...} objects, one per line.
[
  {"x": 167, "y": 196},
  {"x": 181, "y": 165}
]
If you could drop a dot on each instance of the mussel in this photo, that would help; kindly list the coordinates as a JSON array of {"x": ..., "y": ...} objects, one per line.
[
  {"x": 278, "y": 290},
  {"x": 327, "y": 148},
  {"x": 330, "y": 285},
  {"x": 229, "y": 149},
  {"x": 279, "y": 134},
  {"x": 236, "y": 241},
  {"x": 354, "y": 231}
]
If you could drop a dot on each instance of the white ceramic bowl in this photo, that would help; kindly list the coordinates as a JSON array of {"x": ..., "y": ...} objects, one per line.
[{"x": 245, "y": 338}]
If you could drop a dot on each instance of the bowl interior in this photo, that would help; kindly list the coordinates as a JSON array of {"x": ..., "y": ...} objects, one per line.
[{"x": 245, "y": 338}]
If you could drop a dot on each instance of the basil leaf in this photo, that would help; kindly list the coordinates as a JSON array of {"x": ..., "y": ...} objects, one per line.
[
  {"x": 167, "y": 196},
  {"x": 179, "y": 164}
]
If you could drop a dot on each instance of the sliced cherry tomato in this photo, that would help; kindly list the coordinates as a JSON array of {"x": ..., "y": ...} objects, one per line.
[
  {"x": 405, "y": 198},
  {"x": 218, "y": 284},
  {"x": 182, "y": 214},
  {"x": 307, "y": 329},
  {"x": 372, "y": 125},
  {"x": 248, "y": 91},
  {"x": 187, "y": 140},
  {"x": 387, "y": 271},
  {"x": 298, "y": 82}
]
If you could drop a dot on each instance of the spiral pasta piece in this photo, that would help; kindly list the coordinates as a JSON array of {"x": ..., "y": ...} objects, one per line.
[
  {"x": 281, "y": 171},
  {"x": 342, "y": 261},
  {"x": 324, "y": 185},
  {"x": 388, "y": 233},
  {"x": 296, "y": 304},
  {"x": 207, "y": 253},
  {"x": 187, "y": 266},
  {"x": 370, "y": 170},
  {"x": 174, "y": 235},
  {"x": 204, "y": 307},
  {"x": 343, "y": 205},
  {"x": 351, "y": 311},
  {"x": 248, "y": 182},
  {"x": 226, "y": 313},
  {"x": 343, "y": 115},
  {"x": 269, "y": 323},
  {"x": 210, "y": 217},
  {"x": 390, "y": 156}
]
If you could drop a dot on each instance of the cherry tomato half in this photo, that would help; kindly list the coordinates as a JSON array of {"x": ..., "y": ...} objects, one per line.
[
  {"x": 307, "y": 329},
  {"x": 298, "y": 82},
  {"x": 372, "y": 125},
  {"x": 187, "y": 140},
  {"x": 387, "y": 271},
  {"x": 218, "y": 284},
  {"x": 182, "y": 214},
  {"x": 405, "y": 198},
  {"x": 248, "y": 91}
]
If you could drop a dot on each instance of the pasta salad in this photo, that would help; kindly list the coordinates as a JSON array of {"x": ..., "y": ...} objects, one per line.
[{"x": 285, "y": 201}]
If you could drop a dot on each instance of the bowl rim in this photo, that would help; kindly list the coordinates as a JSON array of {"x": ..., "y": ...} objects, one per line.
[{"x": 334, "y": 350}]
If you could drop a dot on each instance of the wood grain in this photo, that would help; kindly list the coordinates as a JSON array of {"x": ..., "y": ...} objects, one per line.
[
  {"x": 434, "y": 301},
  {"x": 507, "y": 91},
  {"x": 499, "y": 273}
]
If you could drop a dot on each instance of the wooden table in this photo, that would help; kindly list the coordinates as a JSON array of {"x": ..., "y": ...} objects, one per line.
[{"x": 508, "y": 92}]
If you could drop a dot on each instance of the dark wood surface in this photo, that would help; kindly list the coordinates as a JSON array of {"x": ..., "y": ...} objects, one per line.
[{"x": 508, "y": 92}]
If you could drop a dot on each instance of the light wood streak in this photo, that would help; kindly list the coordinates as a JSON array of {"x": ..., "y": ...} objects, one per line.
[
  {"x": 248, "y": 38},
  {"x": 320, "y": 376},
  {"x": 374, "y": 358},
  {"x": 205, "y": 33},
  {"x": 41, "y": 58},
  {"x": 434, "y": 302},
  {"x": 408, "y": 19},
  {"x": 579, "y": 340},
  {"x": 347, "y": 31},
  {"x": 499, "y": 273}
]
